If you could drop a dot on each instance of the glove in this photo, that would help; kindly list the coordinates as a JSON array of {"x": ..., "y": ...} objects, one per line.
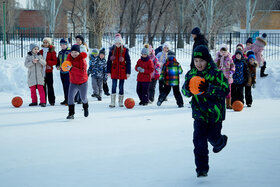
[
  {"x": 203, "y": 86},
  {"x": 140, "y": 69}
]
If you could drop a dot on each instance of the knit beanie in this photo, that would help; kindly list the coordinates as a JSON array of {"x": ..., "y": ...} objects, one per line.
[
  {"x": 251, "y": 56},
  {"x": 238, "y": 52},
  {"x": 49, "y": 40},
  {"x": 63, "y": 41},
  {"x": 250, "y": 53},
  {"x": 145, "y": 50},
  {"x": 223, "y": 46},
  {"x": 102, "y": 51},
  {"x": 118, "y": 38},
  {"x": 196, "y": 31},
  {"x": 75, "y": 48},
  {"x": 202, "y": 51},
  {"x": 94, "y": 51},
  {"x": 166, "y": 44},
  {"x": 32, "y": 46},
  {"x": 81, "y": 38},
  {"x": 240, "y": 46},
  {"x": 249, "y": 40}
]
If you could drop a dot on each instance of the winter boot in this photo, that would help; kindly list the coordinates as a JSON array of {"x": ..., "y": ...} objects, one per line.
[
  {"x": 201, "y": 174},
  {"x": 113, "y": 101},
  {"x": 33, "y": 104},
  {"x": 121, "y": 100},
  {"x": 218, "y": 148},
  {"x": 228, "y": 103},
  {"x": 71, "y": 109},
  {"x": 85, "y": 106},
  {"x": 262, "y": 71}
]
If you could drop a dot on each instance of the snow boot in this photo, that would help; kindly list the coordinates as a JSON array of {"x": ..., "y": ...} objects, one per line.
[
  {"x": 263, "y": 69},
  {"x": 42, "y": 104},
  {"x": 113, "y": 101},
  {"x": 228, "y": 103},
  {"x": 121, "y": 100},
  {"x": 218, "y": 148},
  {"x": 201, "y": 174},
  {"x": 33, "y": 104},
  {"x": 85, "y": 106},
  {"x": 71, "y": 109}
]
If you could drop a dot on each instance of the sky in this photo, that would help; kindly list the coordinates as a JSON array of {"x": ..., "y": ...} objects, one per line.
[{"x": 22, "y": 3}]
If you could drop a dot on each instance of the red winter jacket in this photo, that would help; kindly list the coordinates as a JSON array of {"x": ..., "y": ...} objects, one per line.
[
  {"x": 148, "y": 66},
  {"x": 118, "y": 63},
  {"x": 51, "y": 58},
  {"x": 78, "y": 72}
]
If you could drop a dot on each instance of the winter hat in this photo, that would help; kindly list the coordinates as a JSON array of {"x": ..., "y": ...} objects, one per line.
[
  {"x": 75, "y": 48},
  {"x": 49, "y": 40},
  {"x": 249, "y": 40},
  {"x": 263, "y": 39},
  {"x": 94, "y": 51},
  {"x": 250, "y": 53},
  {"x": 145, "y": 50},
  {"x": 196, "y": 31},
  {"x": 251, "y": 56},
  {"x": 81, "y": 38},
  {"x": 240, "y": 46},
  {"x": 118, "y": 38},
  {"x": 32, "y": 46},
  {"x": 166, "y": 44},
  {"x": 239, "y": 52},
  {"x": 102, "y": 51},
  {"x": 224, "y": 46},
  {"x": 171, "y": 56},
  {"x": 151, "y": 50},
  {"x": 63, "y": 41},
  {"x": 202, "y": 51}
]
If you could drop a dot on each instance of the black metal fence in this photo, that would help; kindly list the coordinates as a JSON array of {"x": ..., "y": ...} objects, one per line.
[{"x": 17, "y": 44}]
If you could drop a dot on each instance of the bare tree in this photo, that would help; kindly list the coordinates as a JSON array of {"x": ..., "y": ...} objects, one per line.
[
  {"x": 250, "y": 11},
  {"x": 122, "y": 6}
]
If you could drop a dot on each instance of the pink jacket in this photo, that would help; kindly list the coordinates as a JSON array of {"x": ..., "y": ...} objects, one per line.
[{"x": 226, "y": 65}]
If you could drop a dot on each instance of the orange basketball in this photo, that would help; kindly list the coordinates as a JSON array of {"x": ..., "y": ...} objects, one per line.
[
  {"x": 194, "y": 83},
  {"x": 65, "y": 64},
  {"x": 237, "y": 105},
  {"x": 129, "y": 103},
  {"x": 17, "y": 101}
]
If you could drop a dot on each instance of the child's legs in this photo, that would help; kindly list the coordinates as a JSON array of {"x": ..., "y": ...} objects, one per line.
[
  {"x": 105, "y": 86},
  {"x": 248, "y": 95},
  {"x": 214, "y": 134},
  {"x": 177, "y": 94},
  {"x": 65, "y": 82},
  {"x": 145, "y": 92},
  {"x": 233, "y": 92},
  {"x": 240, "y": 93},
  {"x": 152, "y": 87},
  {"x": 161, "y": 86},
  {"x": 94, "y": 85},
  {"x": 200, "y": 146},
  {"x": 83, "y": 92},
  {"x": 121, "y": 86},
  {"x": 229, "y": 94},
  {"x": 138, "y": 90},
  {"x": 41, "y": 93},
  {"x": 100, "y": 86},
  {"x": 33, "y": 94},
  {"x": 114, "y": 86},
  {"x": 166, "y": 90},
  {"x": 49, "y": 84},
  {"x": 73, "y": 90}
]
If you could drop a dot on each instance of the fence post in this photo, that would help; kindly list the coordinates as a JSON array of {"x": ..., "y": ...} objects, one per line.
[
  {"x": 175, "y": 44},
  {"x": 4, "y": 31},
  {"x": 230, "y": 41},
  {"x": 21, "y": 43}
]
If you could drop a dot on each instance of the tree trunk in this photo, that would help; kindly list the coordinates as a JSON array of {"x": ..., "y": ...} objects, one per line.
[
  {"x": 163, "y": 37},
  {"x": 95, "y": 40}
]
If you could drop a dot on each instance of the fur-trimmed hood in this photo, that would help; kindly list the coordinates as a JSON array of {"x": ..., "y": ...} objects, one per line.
[{"x": 51, "y": 48}]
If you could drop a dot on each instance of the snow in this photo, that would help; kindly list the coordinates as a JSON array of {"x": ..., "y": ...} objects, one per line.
[{"x": 143, "y": 146}]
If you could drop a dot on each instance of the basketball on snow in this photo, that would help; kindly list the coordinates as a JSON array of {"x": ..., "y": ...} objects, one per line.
[
  {"x": 194, "y": 84},
  {"x": 129, "y": 103},
  {"x": 237, "y": 105},
  {"x": 17, "y": 101},
  {"x": 65, "y": 64}
]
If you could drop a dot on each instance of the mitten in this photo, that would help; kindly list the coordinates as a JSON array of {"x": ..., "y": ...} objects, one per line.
[
  {"x": 203, "y": 86},
  {"x": 140, "y": 69}
]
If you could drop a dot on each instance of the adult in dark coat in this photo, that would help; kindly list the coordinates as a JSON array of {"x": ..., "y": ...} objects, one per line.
[{"x": 199, "y": 39}]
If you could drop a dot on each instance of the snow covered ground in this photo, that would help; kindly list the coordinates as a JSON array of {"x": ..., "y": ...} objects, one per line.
[{"x": 143, "y": 147}]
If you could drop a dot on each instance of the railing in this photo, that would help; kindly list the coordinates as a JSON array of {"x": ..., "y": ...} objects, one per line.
[{"x": 18, "y": 43}]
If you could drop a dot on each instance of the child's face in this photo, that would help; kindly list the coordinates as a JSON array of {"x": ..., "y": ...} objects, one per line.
[
  {"x": 252, "y": 61},
  {"x": 101, "y": 55},
  {"x": 95, "y": 55},
  {"x": 144, "y": 55},
  {"x": 238, "y": 56},
  {"x": 200, "y": 64},
  {"x": 118, "y": 44},
  {"x": 35, "y": 50},
  {"x": 79, "y": 41},
  {"x": 74, "y": 54},
  {"x": 248, "y": 44},
  {"x": 46, "y": 44},
  {"x": 165, "y": 49},
  {"x": 63, "y": 46},
  {"x": 193, "y": 36},
  {"x": 223, "y": 52}
]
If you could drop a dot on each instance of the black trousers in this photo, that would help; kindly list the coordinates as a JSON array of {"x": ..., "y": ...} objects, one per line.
[
  {"x": 176, "y": 92},
  {"x": 65, "y": 83},
  {"x": 152, "y": 88},
  {"x": 48, "y": 87},
  {"x": 204, "y": 133},
  {"x": 161, "y": 86},
  {"x": 237, "y": 92},
  {"x": 248, "y": 95},
  {"x": 105, "y": 87}
]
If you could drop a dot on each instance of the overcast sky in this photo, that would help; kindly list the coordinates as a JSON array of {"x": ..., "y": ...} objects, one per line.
[{"x": 22, "y": 3}]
